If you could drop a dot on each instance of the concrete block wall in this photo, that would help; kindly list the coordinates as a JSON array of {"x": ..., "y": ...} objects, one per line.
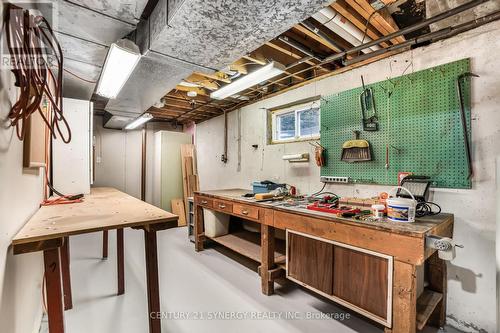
[{"x": 472, "y": 303}]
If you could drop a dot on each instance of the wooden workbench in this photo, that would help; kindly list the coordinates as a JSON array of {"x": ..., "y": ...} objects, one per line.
[
  {"x": 103, "y": 209},
  {"x": 369, "y": 267}
]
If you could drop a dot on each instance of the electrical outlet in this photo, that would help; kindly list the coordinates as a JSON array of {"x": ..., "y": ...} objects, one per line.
[{"x": 334, "y": 179}]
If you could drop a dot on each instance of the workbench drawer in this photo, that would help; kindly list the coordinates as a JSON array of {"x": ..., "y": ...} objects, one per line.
[
  {"x": 246, "y": 211},
  {"x": 204, "y": 202},
  {"x": 223, "y": 206}
]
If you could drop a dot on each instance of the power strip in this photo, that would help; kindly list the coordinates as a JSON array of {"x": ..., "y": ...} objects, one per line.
[{"x": 327, "y": 179}]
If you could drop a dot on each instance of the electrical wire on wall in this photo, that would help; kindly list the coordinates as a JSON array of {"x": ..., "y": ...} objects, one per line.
[
  {"x": 61, "y": 199},
  {"x": 34, "y": 50},
  {"x": 33, "y": 46}
]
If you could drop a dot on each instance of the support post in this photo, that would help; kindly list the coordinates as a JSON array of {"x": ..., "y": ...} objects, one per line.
[
  {"x": 198, "y": 227},
  {"x": 404, "y": 298},
  {"x": 55, "y": 311},
  {"x": 436, "y": 276},
  {"x": 267, "y": 258},
  {"x": 66, "y": 274},
  {"x": 105, "y": 244},
  {"x": 150, "y": 245},
  {"x": 120, "y": 261}
]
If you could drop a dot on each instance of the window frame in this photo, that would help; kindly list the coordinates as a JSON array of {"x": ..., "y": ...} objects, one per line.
[{"x": 296, "y": 110}]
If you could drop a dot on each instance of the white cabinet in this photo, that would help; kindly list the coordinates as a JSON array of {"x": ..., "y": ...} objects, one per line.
[
  {"x": 167, "y": 172},
  {"x": 72, "y": 162}
]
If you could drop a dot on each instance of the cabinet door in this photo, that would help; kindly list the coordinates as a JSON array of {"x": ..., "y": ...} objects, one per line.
[
  {"x": 310, "y": 262},
  {"x": 361, "y": 279}
]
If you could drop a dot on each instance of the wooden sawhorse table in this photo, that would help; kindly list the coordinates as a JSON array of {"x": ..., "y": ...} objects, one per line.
[{"x": 103, "y": 209}]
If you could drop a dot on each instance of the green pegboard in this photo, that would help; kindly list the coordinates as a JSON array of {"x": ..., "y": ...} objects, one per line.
[{"x": 419, "y": 120}]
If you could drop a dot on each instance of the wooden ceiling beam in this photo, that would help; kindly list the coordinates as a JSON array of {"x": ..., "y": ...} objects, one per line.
[
  {"x": 199, "y": 91},
  {"x": 343, "y": 9},
  {"x": 167, "y": 111},
  {"x": 290, "y": 53},
  {"x": 183, "y": 108},
  {"x": 218, "y": 76},
  {"x": 182, "y": 97},
  {"x": 311, "y": 45},
  {"x": 239, "y": 66},
  {"x": 256, "y": 57},
  {"x": 376, "y": 19},
  {"x": 317, "y": 38},
  {"x": 203, "y": 81}
]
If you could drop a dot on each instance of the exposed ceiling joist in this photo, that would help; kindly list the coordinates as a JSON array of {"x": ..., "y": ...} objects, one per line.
[
  {"x": 343, "y": 9},
  {"x": 315, "y": 37},
  {"x": 375, "y": 18},
  {"x": 258, "y": 59},
  {"x": 218, "y": 76},
  {"x": 203, "y": 81},
  {"x": 197, "y": 90}
]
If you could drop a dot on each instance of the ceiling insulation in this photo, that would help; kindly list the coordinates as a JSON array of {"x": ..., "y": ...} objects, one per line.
[
  {"x": 216, "y": 33},
  {"x": 203, "y": 36}
]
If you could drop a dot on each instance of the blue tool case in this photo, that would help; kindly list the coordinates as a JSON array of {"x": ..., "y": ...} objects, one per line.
[{"x": 265, "y": 187}]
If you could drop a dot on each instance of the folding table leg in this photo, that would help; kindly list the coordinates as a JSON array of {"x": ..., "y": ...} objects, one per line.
[
  {"x": 66, "y": 275},
  {"x": 120, "y": 261},
  {"x": 152, "y": 281},
  {"x": 105, "y": 244},
  {"x": 55, "y": 310}
]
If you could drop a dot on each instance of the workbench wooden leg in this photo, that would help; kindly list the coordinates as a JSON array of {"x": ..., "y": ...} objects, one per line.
[
  {"x": 66, "y": 275},
  {"x": 436, "y": 276},
  {"x": 198, "y": 228},
  {"x": 105, "y": 244},
  {"x": 152, "y": 281},
  {"x": 120, "y": 261},
  {"x": 404, "y": 298},
  {"x": 55, "y": 310},
  {"x": 267, "y": 258}
]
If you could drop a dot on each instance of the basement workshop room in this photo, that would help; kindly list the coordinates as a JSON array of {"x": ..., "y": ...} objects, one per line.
[{"x": 286, "y": 166}]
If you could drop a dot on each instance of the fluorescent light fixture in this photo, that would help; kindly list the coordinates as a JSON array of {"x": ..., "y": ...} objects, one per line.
[
  {"x": 262, "y": 74},
  {"x": 120, "y": 62},
  {"x": 144, "y": 118}
]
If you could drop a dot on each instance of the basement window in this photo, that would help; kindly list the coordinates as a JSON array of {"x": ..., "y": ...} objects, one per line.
[{"x": 296, "y": 124}]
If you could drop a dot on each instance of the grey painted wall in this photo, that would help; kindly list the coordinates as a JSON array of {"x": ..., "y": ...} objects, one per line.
[
  {"x": 472, "y": 302},
  {"x": 118, "y": 157}
]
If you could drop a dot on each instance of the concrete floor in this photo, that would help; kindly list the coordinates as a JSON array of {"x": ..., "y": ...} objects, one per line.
[{"x": 208, "y": 283}]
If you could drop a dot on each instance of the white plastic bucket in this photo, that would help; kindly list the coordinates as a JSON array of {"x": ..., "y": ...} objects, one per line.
[
  {"x": 401, "y": 209},
  {"x": 216, "y": 224}
]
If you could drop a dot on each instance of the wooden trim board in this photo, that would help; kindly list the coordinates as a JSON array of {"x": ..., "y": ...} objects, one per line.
[{"x": 179, "y": 209}]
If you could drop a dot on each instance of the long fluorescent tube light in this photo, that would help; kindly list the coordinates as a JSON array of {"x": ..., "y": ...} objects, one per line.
[
  {"x": 265, "y": 73},
  {"x": 144, "y": 118},
  {"x": 120, "y": 62}
]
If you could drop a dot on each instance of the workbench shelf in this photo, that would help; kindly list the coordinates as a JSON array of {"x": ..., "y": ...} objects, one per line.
[
  {"x": 247, "y": 243},
  {"x": 426, "y": 304}
]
